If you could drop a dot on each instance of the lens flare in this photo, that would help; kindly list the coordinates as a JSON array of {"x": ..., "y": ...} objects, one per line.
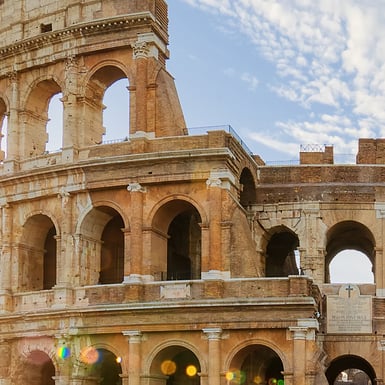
[
  {"x": 236, "y": 376},
  {"x": 257, "y": 380},
  {"x": 63, "y": 352},
  {"x": 272, "y": 381},
  {"x": 168, "y": 367},
  {"x": 118, "y": 360},
  {"x": 191, "y": 370},
  {"x": 89, "y": 355},
  {"x": 281, "y": 382}
]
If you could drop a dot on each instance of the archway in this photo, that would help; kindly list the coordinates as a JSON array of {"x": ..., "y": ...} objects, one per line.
[
  {"x": 55, "y": 124},
  {"x": 35, "y": 118},
  {"x": 102, "y": 239},
  {"x": 356, "y": 369},
  {"x": 37, "y": 369},
  {"x": 256, "y": 364},
  {"x": 104, "y": 365},
  {"x": 175, "y": 365},
  {"x": 348, "y": 235},
  {"x": 38, "y": 254},
  {"x": 248, "y": 195},
  {"x": 97, "y": 92},
  {"x": 3, "y": 129},
  {"x": 280, "y": 254},
  {"x": 116, "y": 111}
]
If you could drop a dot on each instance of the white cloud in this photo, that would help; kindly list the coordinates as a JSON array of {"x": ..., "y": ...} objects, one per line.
[{"x": 329, "y": 53}]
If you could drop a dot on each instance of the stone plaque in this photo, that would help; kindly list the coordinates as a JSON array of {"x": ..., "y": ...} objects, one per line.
[
  {"x": 349, "y": 312},
  {"x": 175, "y": 291}
]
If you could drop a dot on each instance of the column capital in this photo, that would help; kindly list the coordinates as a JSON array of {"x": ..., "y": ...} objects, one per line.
[
  {"x": 135, "y": 187},
  {"x": 134, "y": 336},
  {"x": 141, "y": 50},
  {"x": 213, "y": 333}
]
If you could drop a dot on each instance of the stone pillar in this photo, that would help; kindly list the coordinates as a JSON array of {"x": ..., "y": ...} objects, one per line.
[
  {"x": 13, "y": 134},
  {"x": 141, "y": 51},
  {"x": 6, "y": 259},
  {"x": 134, "y": 253},
  {"x": 134, "y": 356},
  {"x": 70, "y": 111},
  {"x": 299, "y": 354},
  {"x": 5, "y": 363},
  {"x": 215, "y": 198},
  {"x": 214, "y": 370}
]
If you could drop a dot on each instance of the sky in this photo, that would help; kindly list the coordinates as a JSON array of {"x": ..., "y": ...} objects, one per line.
[{"x": 282, "y": 73}]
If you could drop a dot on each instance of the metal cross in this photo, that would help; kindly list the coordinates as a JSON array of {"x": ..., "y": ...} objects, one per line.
[{"x": 349, "y": 289}]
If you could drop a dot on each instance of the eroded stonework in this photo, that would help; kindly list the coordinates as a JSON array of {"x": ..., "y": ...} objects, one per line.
[{"x": 165, "y": 258}]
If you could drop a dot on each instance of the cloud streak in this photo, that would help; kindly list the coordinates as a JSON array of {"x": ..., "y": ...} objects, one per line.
[{"x": 327, "y": 55}]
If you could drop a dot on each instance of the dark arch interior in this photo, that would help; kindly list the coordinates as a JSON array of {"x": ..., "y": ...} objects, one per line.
[
  {"x": 176, "y": 365},
  {"x": 49, "y": 263},
  {"x": 348, "y": 362},
  {"x": 280, "y": 257},
  {"x": 112, "y": 254},
  {"x": 107, "y": 368},
  {"x": 38, "y": 369},
  {"x": 256, "y": 364},
  {"x": 248, "y": 194},
  {"x": 184, "y": 246}
]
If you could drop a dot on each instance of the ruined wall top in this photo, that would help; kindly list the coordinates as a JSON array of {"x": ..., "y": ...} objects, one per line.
[{"x": 27, "y": 19}]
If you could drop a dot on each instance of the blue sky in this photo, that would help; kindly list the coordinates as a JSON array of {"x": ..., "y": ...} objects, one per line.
[{"x": 282, "y": 73}]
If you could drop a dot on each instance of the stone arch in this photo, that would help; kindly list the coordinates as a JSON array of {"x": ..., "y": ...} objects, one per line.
[
  {"x": 281, "y": 246},
  {"x": 177, "y": 240},
  {"x": 350, "y": 235},
  {"x": 102, "y": 365},
  {"x": 174, "y": 363},
  {"x": 101, "y": 241},
  {"x": 36, "y": 368},
  {"x": 37, "y": 253},
  {"x": 349, "y": 361},
  {"x": 4, "y": 113},
  {"x": 34, "y": 117},
  {"x": 247, "y": 194},
  {"x": 101, "y": 77},
  {"x": 255, "y": 362}
]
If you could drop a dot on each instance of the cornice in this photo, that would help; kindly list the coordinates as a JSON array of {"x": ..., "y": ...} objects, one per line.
[{"x": 82, "y": 29}]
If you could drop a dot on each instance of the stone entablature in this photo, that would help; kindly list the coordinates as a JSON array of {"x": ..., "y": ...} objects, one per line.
[{"x": 27, "y": 20}]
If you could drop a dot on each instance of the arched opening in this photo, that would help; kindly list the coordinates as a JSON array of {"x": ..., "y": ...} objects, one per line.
[
  {"x": 116, "y": 111},
  {"x": 256, "y": 364},
  {"x": 248, "y": 194},
  {"x": 35, "y": 119},
  {"x": 55, "y": 124},
  {"x": 37, "y": 369},
  {"x": 351, "y": 266},
  {"x": 176, "y": 240},
  {"x": 3, "y": 129},
  {"x": 107, "y": 85},
  {"x": 38, "y": 254},
  {"x": 104, "y": 365},
  {"x": 350, "y": 369},
  {"x": 112, "y": 255},
  {"x": 175, "y": 365},
  {"x": 281, "y": 254},
  {"x": 102, "y": 244},
  {"x": 349, "y": 237}
]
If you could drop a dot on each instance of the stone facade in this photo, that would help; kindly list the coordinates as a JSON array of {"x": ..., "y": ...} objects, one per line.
[{"x": 167, "y": 258}]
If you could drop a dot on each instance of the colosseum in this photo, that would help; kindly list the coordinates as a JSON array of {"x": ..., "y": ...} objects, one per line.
[{"x": 168, "y": 257}]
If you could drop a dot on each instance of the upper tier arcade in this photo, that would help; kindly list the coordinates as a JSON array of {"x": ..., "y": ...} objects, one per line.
[{"x": 78, "y": 49}]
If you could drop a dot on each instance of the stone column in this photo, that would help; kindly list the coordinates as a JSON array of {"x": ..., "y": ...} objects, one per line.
[
  {"x": 6, "y": 259},
  {"x": 134, "y": 253},
  {"x": 13, "y": 134},
  {"x": 141, "y": 51},
  {"x": 5, "y": 363},
  {"x": 64, "y": 253},
  {"x": 214, "y": 338},
  {"x": 215, "y": 197},
  {"x": 134, "y": 356},
  {"x": 70, "y": 111},
  {"x": 299, "y": 354}
]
